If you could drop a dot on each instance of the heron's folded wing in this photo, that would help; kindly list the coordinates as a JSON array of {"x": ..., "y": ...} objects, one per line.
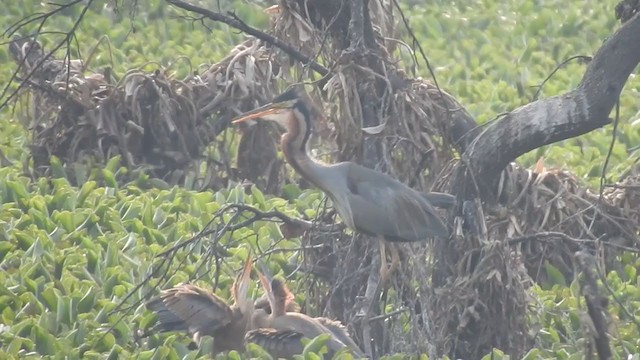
[
  {"x": 441, "y": 200},
  {"x": 167, "y": 320},
  {"x": 382, "y": 205}
]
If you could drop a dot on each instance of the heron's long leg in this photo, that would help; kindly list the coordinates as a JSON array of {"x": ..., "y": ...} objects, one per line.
[
  {"x": 387, "y": 271},
  {"x": 395, "y": 259},
  {"x": 383, "y": 261},
  {"x": 372, "y": 291}
]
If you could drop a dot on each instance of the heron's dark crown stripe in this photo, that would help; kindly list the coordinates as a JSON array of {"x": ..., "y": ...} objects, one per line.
[
  {"x": 288, "y": 95},
  {"x": 290, "y": 140},
  {"x": 308, "y": 125}
]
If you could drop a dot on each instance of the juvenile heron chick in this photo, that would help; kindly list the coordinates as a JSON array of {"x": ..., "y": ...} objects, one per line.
[
  {"x": 280, "y": 331},
  {"x": 200, "y": 312}
]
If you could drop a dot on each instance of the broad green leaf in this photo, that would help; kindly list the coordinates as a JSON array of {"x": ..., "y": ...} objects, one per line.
[
  {"x": 5, "y": 248},
  {"x": 104, "y": 342},
  {"x": 81, "y": 172},
  {"x": 113, "y": 163},
  {"x": 146, "y": 355},
  {"x": 87, "y": 301},
  {"x": 86, "y": 189},
  {"x": 50, "y": 298},
  {"x": 258, "y": 352},
  {"x": 158, "y": 184},
  {"x": 45, "y": 342},
  {"x": 18, "y": 190},
  {"x": 8, "y": 315},
  {"x": 554, "y": 275},
  {"x": 233, "y": 355},
  {"x": 313, "y": 347},
  {"x": 14, "y": 346},
  {"x": 57, "y": 169},
  {"x": 115, "y": 352},
  {"x": 109, "y": 179},
  {"x": 62, "y": 312},
  {"x": 258, "y": 197},
  {"x": 65, "y": 218}
]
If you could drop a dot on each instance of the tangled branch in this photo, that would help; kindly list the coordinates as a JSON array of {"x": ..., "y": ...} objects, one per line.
[
  {"x": 207, "y": 246},
  {"x": 596, "y": 305},
  {"x": 32, "y": 69},
  {"x": 234, "y": 21}
]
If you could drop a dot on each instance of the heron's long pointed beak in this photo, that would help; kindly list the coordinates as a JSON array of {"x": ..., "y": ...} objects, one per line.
[
  {"x": 264, "y": 269},
  {"x": 267, "y": 109},
  {"x": 266, "y": 285},
  {"x": 274, "y": 9},
  {"x": 244, "y": 280}
]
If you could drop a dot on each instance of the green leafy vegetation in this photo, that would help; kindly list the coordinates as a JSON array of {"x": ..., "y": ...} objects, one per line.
[{"x": 69, "y": 255}]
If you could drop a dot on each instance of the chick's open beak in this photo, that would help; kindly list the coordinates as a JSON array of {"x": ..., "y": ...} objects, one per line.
[
  {"x": 267, "y": 109},
  {"x": 245, "y": 278},
  {"x": 266, "y": 282}
]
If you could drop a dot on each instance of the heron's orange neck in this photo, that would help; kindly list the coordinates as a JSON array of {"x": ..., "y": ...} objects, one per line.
[
  {"x": 294, "y": 146},
  {"x": 279, "y": 308},
  {"x": 280, "y": 295}
]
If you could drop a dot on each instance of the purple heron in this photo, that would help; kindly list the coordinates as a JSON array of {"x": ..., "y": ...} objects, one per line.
[{"x": 368, "y": 201}]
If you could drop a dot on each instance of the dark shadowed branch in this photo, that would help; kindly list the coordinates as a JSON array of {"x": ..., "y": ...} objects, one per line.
[{"x": 596, "y": 305}]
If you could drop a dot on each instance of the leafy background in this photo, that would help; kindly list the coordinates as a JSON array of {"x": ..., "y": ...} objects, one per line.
[{"x": 69, "y": 254}]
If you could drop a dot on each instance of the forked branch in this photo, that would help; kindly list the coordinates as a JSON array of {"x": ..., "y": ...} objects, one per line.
[{"x": 560, "y": 117}]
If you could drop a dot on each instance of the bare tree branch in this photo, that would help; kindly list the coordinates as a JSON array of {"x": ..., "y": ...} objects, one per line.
[
  {"x": 577, "y": 112},
  {"x": 551, "y": 236},
  {"x": 235, "y": 22}
]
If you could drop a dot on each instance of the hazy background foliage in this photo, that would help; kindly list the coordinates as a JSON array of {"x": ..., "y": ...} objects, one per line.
[{"x": 69, "y": 254}]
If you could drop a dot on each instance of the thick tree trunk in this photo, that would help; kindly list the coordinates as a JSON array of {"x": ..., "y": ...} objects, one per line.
[
  {"x": 560, "y": 117},
  {"x": 542, "y": 122}
]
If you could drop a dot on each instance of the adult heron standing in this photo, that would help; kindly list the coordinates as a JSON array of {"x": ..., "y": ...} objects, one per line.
[{"x": 368, "y": 201}]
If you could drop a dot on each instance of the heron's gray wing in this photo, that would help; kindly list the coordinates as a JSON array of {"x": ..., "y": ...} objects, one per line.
[
  {"x": 188, "y": 307},
  {"x": 278, "y": 343},
  {"x": 441, "y": 200},
  {"x": 382, "y": 205}
]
